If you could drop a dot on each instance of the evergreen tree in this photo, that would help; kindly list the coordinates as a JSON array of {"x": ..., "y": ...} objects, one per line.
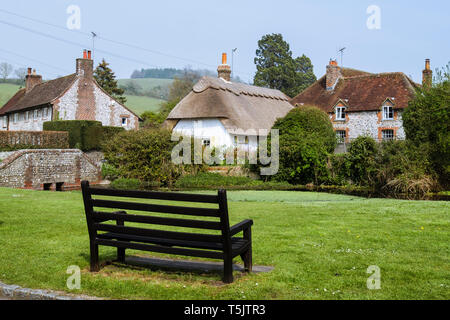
[
  {"x": 277, "y": 69},
  {"x": 107, "y": 80}
]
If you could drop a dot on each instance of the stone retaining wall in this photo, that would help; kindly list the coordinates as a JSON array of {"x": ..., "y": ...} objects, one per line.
[{"x": 45, "y": 169}]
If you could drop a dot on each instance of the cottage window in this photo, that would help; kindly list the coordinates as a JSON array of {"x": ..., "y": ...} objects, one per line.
[
  {"x": 124, "y": 122},
  {"x": 16, "y": 117},
  {"x": 387, "y": 135},
  {"x": 340, "y": 113},
  {"x": 27, "y": 116},
  {"x": 45, "y": 115},
  {"x": 341, "y": 135},
  {"x": 35, "y": 114},
  {"x": 388, "y": 113},
  {"x": 206, "y": 142},
  {"x": 21, "y": 116},
  {"x": 4, "y": 122}
]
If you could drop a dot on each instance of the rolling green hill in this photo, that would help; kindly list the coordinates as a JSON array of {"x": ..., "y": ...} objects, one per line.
[
  {"x": 7, "y": 90},
  {"x": 140, "y": 104},
  {"x": 147, "y": 83}
]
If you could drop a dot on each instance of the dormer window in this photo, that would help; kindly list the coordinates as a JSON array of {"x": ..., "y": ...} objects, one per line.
[
  {"x": 388, "y": 112},
  {"x": 340, "y": 113}
]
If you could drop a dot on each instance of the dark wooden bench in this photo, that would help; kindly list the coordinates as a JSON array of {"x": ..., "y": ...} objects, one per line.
[{"x": 221, "y": 244}]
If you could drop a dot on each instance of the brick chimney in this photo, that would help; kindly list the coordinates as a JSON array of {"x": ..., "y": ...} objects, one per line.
[
  {"x": 32, "y": 80},
  {"x": 224, "y": 70},
  {"x": 333, "y": 75},
  {"x": 85, "y": 66},
  {"x": 427, "y": 78}
]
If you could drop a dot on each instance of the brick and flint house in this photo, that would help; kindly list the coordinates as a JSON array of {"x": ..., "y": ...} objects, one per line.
[
  {"x": 74, "y": 97},
  {"x": 225, "y": 114},
  {"x": 362, "y": 103}
]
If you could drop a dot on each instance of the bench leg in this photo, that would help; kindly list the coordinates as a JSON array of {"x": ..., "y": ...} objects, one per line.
[
  {"x": 247, "y": 258},
  {"x": 247, "y": 255},
  {"x": 95, "y": 267},
  {"x": 121, "y": 255},
  {"x": 228, "y": 270}
]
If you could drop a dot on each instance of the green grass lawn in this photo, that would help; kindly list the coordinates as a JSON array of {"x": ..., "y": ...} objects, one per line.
[{"x": 319, "y": 244}]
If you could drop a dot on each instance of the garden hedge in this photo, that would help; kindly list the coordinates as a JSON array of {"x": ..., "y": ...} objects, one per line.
[{"x": 83, "y": 134}]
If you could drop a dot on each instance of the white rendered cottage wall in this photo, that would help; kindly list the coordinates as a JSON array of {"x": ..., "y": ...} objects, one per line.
[
  {"x": 31, "y": 120},
  {"x": 211, "y": 129},
  {"x": 214, "y": 131}
]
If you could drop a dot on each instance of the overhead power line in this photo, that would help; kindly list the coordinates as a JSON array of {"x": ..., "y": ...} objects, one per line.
[
  {"x": 116, "y": 42},
  {"x": 108, "y": 40}
]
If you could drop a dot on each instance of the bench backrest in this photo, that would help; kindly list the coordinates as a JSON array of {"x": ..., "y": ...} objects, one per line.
[{"x": 96, "y": 218}]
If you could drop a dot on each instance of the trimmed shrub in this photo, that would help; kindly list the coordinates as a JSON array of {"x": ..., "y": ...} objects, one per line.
[
  {"x": 208, "y": 180},
  {"x": 16, "y": 140},
  {"x": 84, "y": 135}
]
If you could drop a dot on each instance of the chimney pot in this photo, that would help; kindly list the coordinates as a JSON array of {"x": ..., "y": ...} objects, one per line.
[
  {"x": 29, "y": 71},
  {"x": 89, "y": 55},
  {"x": 427, "y": 79},
  {"x": 84, "y": 54},
  {"x": 224, "y": 58}
]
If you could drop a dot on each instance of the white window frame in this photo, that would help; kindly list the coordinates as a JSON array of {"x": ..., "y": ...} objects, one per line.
[
  {"x": 341, "y": 136},
  {"x": 122, "y": 121},
  {"x": 5, "y": 121},
  {"x": 387, "y": 137},
  {"x": 388, "y": 112},
  {"x": 206, "y": 142},
  {"x": 16, "y": 117},
  {"x": 340, "y": 113}
]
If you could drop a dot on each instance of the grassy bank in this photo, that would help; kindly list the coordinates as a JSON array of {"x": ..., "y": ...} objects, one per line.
[{"x": 319, "y": 244}]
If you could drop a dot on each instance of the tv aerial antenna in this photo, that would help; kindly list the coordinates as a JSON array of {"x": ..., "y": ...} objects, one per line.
[
  {"x": 341, "y": 51},
  {"x": 94, "y": 35}
]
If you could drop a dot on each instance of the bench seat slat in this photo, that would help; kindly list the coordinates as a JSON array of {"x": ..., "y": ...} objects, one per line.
[
  {"x": 160, "y": 249},
  {"x": 204, "y": 212},
  {"x": 200, "y": 224},
  {"x": 174, "y": 196},
  {"x": 238, "y": 244},
  {"x": 158, "y": 233}
]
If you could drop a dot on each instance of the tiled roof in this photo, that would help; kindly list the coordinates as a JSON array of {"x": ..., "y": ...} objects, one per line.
[
  {"x": 41, "y": 94},
  {"x": 360, "y": 91}
]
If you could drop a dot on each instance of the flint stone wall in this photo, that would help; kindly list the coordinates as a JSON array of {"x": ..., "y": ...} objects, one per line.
[{"x": 33, "y": 169}]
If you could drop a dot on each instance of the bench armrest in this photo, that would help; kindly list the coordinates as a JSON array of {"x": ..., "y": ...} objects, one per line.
[{"x": 246, "y": 224}]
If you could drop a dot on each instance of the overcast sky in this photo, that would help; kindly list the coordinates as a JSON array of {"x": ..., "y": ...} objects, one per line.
[{"x": 195, "y": 33}]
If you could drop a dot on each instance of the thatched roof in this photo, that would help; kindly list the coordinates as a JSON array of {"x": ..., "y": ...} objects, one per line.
[{"x": 237, "y": 105}]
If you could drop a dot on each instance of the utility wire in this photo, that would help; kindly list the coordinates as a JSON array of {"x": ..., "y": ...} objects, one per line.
[
  {"x": 107, "y": 40},
  {"x": 74, "y": 43},
  {"x": 32, "y": 59}
]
